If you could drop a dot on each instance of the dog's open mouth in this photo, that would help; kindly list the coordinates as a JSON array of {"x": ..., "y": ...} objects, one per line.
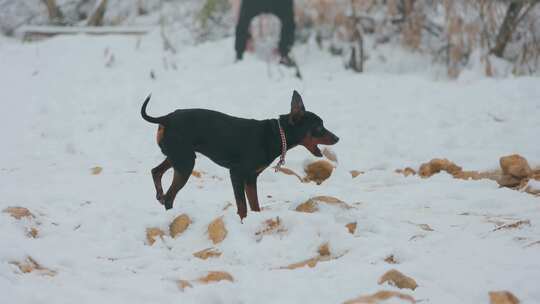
[{"x": 314, "y": 149}]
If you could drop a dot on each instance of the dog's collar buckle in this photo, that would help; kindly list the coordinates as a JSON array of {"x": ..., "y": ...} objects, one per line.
[{"x": 283, "y": 139}]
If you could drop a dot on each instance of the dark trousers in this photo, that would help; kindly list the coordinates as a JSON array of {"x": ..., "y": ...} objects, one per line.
[{"x": 283, "y": 9}]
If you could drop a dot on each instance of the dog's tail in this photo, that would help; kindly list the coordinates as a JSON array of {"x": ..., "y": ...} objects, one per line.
[{"x": 147, "y": 117}]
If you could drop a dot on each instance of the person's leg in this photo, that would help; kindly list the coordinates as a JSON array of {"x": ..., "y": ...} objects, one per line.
[
  {"x": 248, "y": 10},
  {"x": 285, "y": 12}
]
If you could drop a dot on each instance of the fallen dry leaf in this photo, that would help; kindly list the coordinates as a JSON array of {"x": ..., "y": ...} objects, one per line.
[
  {"x": 217, "y": 231},
  {"x": 30, "y": 265},
  {"x": 270, "y": 226},
  {"x": 96, "y": 170},
  {"x": 152, "y": 234},
  {"x": 207, "y": 253},
  {"x": 290, "y": 172},
  {"x": 33, "y": 232},
  {"x": 179, "y": 225},
  {"x": 515, "y": 165},
  {"x": 502, "y": 297},
  {"x": 514, "y": 225},
  {"x": 355, "y": 173},
  {"x": 216, "y": 276},
  {"x": 351, "y": 227},
  {"x": 406, "y": 172},
  {"x": 380, "y": 296},
  {"x": 391, "y": 259},
  {"x": 18, "y": 212},
  {"x": 183, "y": 284},
  {"x": 318, "y": 171},
  {"x": 397, "y": 279}
]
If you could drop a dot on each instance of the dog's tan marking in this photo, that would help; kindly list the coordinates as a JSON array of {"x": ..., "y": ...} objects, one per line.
[{"x": 160, "y": 133}]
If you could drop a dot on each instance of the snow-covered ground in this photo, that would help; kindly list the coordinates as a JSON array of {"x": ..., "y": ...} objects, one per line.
[{"x": 67, "y": 107}]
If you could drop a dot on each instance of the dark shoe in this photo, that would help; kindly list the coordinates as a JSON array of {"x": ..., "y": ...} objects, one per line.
[{"x": 287, "y": 61}]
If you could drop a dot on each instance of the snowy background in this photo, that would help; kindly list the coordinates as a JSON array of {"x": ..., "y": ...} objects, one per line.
[{"x": 71, "y": 103}]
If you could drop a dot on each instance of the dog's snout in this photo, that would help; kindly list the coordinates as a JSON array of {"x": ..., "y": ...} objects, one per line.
[{"x": 335, "y": 138}]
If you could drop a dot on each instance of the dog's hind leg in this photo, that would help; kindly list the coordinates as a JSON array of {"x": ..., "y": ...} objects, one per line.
[
  {"x": 183, "y": 164},
  {"x": 251, "y": 193},
  {"x": 157, "y": 174}
]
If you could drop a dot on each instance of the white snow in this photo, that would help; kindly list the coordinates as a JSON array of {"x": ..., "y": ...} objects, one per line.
[{"x": 67, "y": 107}]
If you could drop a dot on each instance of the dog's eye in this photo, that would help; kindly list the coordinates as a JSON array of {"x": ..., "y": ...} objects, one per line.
[{"x": 318, "y": 131}]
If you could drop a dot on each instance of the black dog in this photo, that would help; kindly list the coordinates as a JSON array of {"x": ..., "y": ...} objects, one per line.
[
  {"x": 283, "y": 9},
  {"x": 244, "y": 146}
]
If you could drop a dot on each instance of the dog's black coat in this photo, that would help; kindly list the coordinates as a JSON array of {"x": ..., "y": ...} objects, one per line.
[{"x": 244, "y": 146}]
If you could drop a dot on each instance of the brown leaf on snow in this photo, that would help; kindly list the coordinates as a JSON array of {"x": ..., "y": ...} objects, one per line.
[
  {"x": 271, "y": 226},
  {"x": 96, "y": 170},
  {"x": 380, "y": 296},
  {"x": 351, "y": 227},
  {"x": 207, "y": 253},
  {"x": 290, "y": 172},
  {"x": 308, "y": 206},
  {"x": 179, "y": 225},
  {"x": 183, "y": 284},
  {"x": 18, "y": 212},
  {"x": 210, "y": 277},
  {"x": 502, "y": 297},
  {"x": 355, "y": 173},
  {"x": 406, "y": 172},
  {"x": 515, "y": 165},
  {"x": 514, "y": 225},
  {"x": 152, "y": 234},
  {"x": 33, "y": 233},
  {"x": 30, "y": 265},
  {"x": 391, "y": 259},
  {"x": 324, "y": 255},
  {"x": 217, "y": 231},
  {"x": 437, "y": 165},
  {"x": 396, "y": 278},
  {"x": 216, "y": 276},
  {"x": 318, "y": 171},
  {"x": 312, "y": 204}
]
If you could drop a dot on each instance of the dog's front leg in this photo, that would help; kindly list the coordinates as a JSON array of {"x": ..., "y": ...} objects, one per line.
[
  {"x": 251, "y": 192},
  {"x": 237, "y": 180}
]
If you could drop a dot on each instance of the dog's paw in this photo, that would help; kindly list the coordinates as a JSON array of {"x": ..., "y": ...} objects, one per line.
[{"x": 168, "y": 205}]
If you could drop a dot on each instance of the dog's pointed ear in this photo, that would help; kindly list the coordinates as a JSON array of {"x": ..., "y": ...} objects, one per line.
[{"x": 297, "y": 108}]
